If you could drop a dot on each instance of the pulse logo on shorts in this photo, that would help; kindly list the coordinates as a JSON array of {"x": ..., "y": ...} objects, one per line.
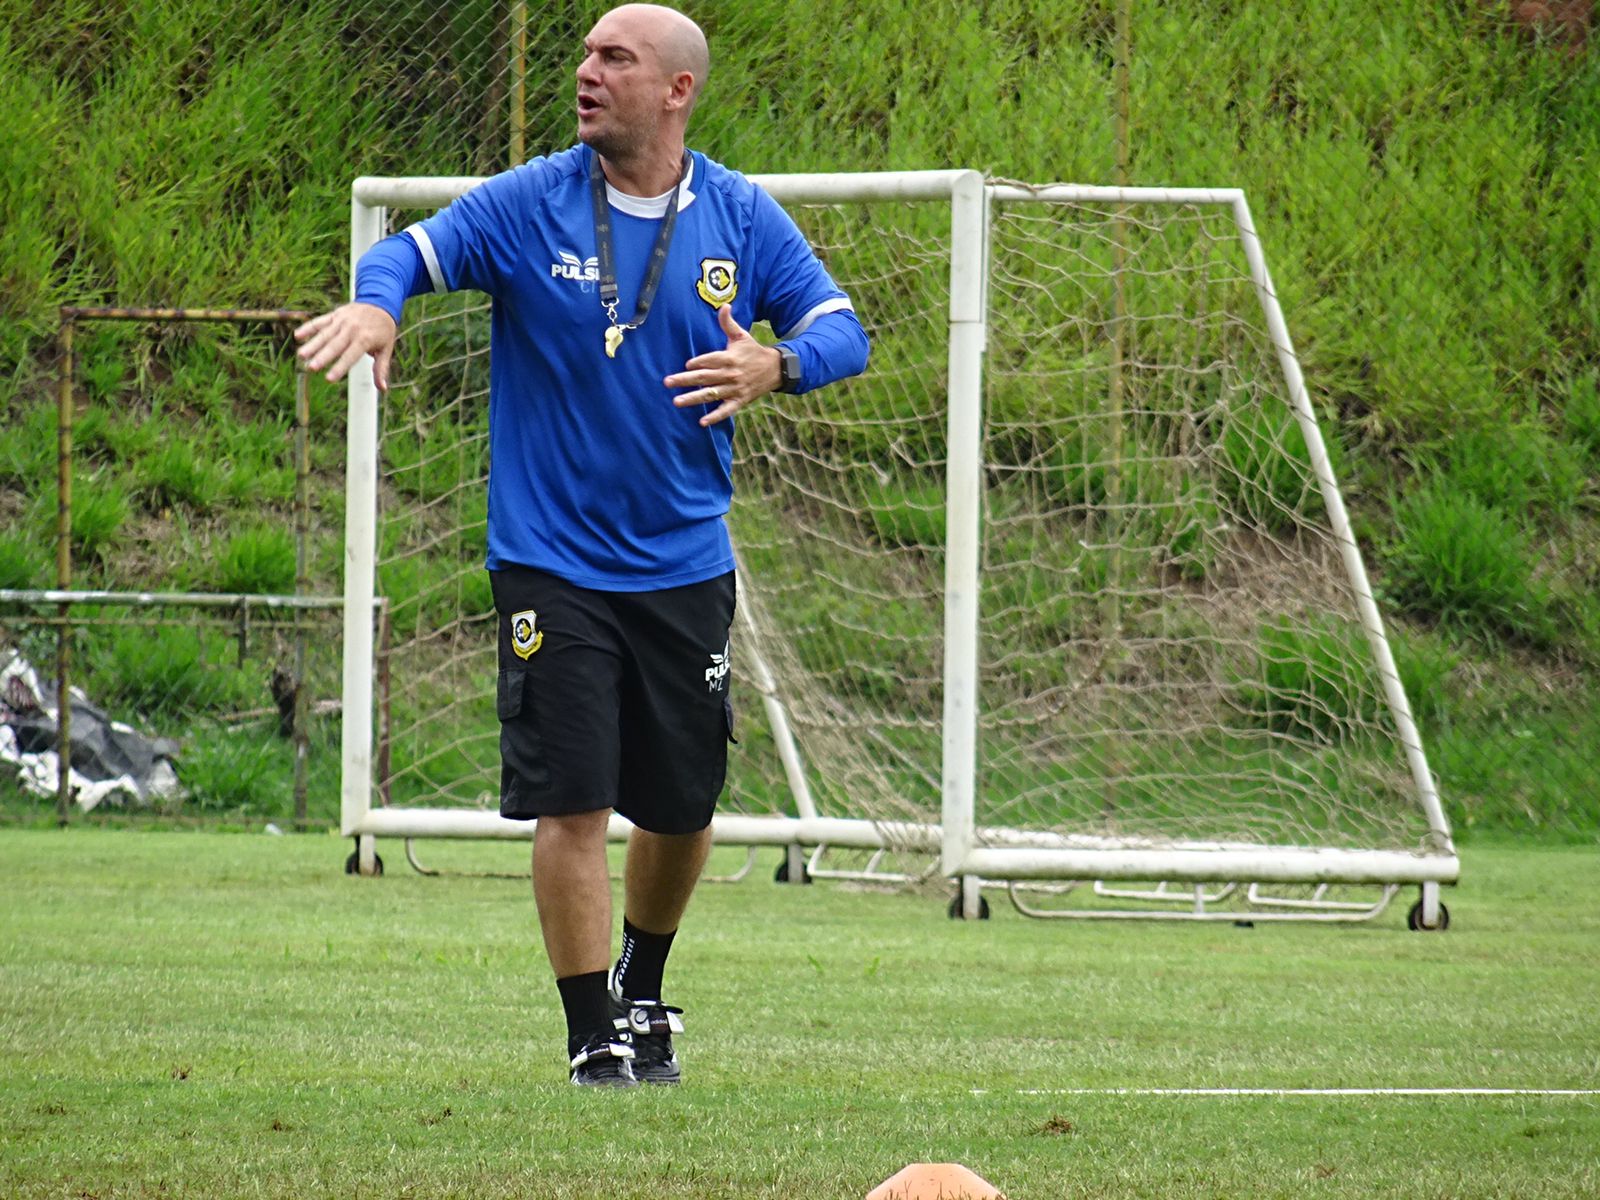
[
  {"x": 717, "y": 672},
  {"x": 584, "y": 270},
  {"x": 525, "y": 634}
]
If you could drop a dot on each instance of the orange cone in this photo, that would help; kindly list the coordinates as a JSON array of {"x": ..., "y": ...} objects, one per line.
[{"x": 935, "y": 1181}]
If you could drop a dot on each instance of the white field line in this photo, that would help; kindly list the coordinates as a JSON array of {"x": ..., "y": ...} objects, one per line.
[{"x": 1459, "y": 1091}]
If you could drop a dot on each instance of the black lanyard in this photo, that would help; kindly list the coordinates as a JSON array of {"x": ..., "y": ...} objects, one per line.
[{"x": 607, "y": 255}]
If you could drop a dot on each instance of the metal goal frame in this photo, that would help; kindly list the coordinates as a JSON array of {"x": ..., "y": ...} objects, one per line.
[{"x": 963, "y": 851}]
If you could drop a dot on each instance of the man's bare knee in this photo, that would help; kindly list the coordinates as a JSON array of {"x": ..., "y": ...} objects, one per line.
[
  {"x": 574, "y": 829},
  {"x": 672, "y": 842}
]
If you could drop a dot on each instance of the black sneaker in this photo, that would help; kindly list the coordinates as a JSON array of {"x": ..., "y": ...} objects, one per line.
[
  {"x": 604, "y": 1061},
  {"x": 650, "y": 1024}
]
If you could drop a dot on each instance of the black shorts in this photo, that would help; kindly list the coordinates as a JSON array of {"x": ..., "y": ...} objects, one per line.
[{"x": 613, "y": 699}]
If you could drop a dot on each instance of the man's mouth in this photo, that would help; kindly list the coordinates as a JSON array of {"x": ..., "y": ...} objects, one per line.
[{"x": 588, "y": 105}]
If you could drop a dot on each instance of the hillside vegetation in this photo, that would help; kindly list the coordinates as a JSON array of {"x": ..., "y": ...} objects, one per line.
[{"x": 1423, "y": 174}]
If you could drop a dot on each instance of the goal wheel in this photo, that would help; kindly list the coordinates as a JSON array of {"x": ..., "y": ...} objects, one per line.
[
  {"x": 1414, "y": 919},
  {"x": 352, "y": 865},
  {"x": 954, "y": 911},
  {"x": 781, "y": 875}
]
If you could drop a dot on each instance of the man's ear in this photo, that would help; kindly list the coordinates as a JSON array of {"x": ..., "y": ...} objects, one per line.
[{"x": 682, "y": 92}]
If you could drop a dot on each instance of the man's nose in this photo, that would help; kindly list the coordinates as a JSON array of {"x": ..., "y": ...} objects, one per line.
[{"x": 588, "y": 70}]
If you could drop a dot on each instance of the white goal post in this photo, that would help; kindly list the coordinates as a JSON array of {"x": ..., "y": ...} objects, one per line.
[{"x": 1068, "y": 592}]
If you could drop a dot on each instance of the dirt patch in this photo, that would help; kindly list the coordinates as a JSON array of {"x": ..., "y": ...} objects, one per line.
[{"x": 1566, "y": 24}]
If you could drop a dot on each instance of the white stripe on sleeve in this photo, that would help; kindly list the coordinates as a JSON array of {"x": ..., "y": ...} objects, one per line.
[
  {"x": 430, "y": 257},
  {"x": 836, "y": 304}
]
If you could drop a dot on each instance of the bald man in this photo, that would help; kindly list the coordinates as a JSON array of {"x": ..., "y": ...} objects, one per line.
[{"x": 624, "y": 274}]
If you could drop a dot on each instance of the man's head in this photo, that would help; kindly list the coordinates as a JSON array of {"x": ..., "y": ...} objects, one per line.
[{"x": 642, "y": 70}]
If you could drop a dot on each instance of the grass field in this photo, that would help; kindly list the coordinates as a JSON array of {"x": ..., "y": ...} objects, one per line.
[{"x": 205, "y": 1014}]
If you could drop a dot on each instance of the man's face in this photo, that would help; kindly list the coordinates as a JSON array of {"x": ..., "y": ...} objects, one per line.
[{"x": 622, "y": 87}]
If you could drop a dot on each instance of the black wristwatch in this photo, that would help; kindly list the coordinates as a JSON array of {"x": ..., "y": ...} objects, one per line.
[{"x": 788, "y": 369}]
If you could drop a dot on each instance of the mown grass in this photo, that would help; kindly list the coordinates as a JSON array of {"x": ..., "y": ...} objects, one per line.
[{"x": 215, "y": 1015}]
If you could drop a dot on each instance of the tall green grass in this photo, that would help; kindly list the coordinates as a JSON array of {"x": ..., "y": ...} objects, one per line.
[
  {"x": 21, "y": 565},
  {"x": 1421, "y": 175},
  {"x": 1468, "y": 565}
]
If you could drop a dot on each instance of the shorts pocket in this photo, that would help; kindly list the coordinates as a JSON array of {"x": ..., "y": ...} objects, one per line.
[
  {"x": 508, "y": 694},
  {"x": 727, "y": 719},
  {"x": 523, "y": 769}
]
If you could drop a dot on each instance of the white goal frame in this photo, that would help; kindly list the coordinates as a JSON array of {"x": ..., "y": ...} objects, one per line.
[{"x": 964, "y": 852}]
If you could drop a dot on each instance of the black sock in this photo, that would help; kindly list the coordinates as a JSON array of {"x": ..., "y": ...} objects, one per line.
[
  {"x": 643, "y": 959},
  {"x": 587, "y": 1004}
]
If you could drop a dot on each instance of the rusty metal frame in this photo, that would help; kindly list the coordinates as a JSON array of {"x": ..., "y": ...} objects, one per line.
[{"x": 71, "y": 317}]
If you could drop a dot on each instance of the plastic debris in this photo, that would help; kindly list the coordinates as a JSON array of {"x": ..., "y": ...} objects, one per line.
[{"x": 111, "y": 761}]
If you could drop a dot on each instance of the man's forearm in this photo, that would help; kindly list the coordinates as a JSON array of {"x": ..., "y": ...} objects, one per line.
[
  {"x": 834, "y": 347},
  {"x": 390, "y": 273}
]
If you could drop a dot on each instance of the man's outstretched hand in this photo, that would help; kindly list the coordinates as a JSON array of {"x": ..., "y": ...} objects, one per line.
[
  {"x": 729, "y": 378},
  {"x": 338, "y": 339}
]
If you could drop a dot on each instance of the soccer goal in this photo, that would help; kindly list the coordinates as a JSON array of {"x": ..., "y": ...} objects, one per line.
[{"x": 1060, "y": 593}]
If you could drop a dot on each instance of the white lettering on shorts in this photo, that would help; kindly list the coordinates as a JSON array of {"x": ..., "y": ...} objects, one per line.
[{"x": 717, "y": 672}]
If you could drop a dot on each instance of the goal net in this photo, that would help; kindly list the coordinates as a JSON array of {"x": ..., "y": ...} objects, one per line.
[{"x": 1061, "y": 588}]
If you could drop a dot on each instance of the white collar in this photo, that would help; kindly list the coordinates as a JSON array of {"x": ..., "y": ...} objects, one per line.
[{"x": 652, "y": 207}]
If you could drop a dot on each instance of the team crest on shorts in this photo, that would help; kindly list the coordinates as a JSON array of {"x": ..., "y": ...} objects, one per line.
[
  {"x": 525, "y": 634},
  {"x": 717, "y": 285}
]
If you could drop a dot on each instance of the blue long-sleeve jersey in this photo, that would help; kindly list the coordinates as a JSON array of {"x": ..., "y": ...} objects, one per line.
[{"x": 594, "y": 475}]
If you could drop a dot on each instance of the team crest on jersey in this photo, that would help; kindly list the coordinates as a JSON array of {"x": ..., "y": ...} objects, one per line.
[
  {"x": 526, "y": 637},
  {"x": 584, "y": 270},
  {"x": 717, "y": 284}
]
